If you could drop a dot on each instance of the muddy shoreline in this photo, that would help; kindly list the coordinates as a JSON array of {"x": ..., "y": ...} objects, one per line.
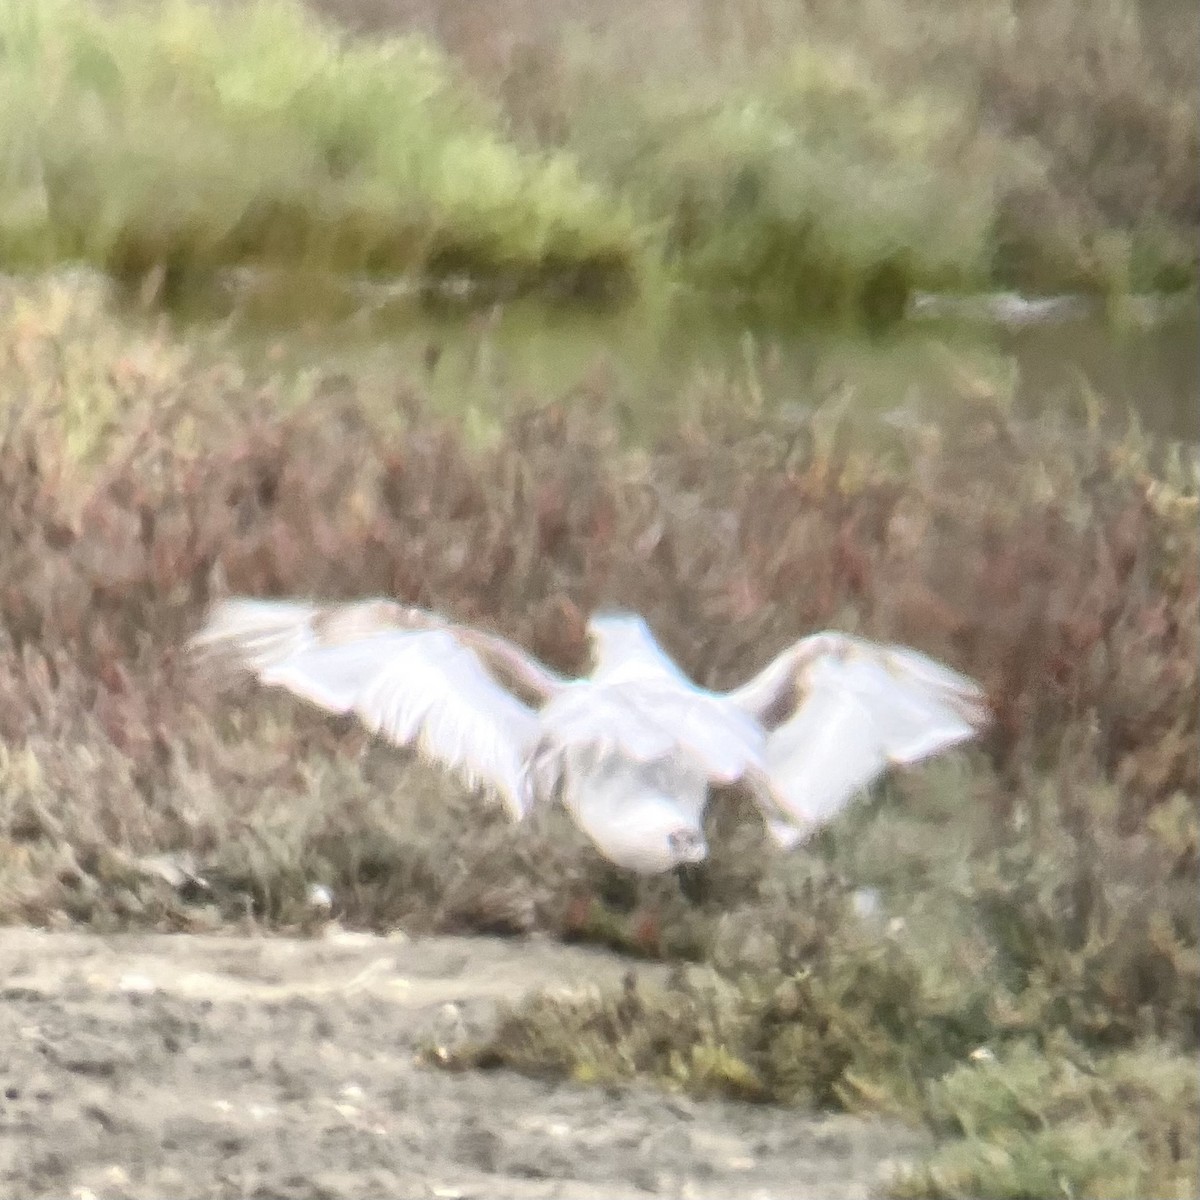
[{"x": 148, "y": 1065}]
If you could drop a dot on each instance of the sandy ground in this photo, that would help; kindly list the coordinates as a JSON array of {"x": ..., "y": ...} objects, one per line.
[{"x": 148, "y": 1066}]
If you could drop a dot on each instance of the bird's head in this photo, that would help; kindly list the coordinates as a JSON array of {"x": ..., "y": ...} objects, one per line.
[
  {"x": 687, "y": 845},
  {"x": 655, "y": 847}
]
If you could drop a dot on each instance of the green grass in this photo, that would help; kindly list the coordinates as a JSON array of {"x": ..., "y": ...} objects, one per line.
[
  {"x": 832, "y": 153},
  {"x": 813, "y": 188},
  {"x": 1056, "y": 1121},
  {"x": 191, "y": 137},
  {"x": 849, "y": 155}
]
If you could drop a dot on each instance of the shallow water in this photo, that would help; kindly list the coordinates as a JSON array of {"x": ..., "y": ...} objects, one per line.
[
  {"x": 660, "y": 361},
  {"x": 1151, "y": 371}
]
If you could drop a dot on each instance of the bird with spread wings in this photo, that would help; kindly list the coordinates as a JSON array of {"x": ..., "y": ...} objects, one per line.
[{"x": 630, "y": 750}]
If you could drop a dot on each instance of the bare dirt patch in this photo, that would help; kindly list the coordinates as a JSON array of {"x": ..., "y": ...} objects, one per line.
[{"x": 182, "y": 1065}]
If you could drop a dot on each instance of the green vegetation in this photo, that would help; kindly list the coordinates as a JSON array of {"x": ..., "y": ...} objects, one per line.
[
  {"x": 1046, "y": 1122},
  {"x": 1005, "y": 945},
  {"x": 811, "y": 189},
  {"x": 846, "y": 152},
  {"x": 817, "y": 159},
  {"x": 190, "y": 137}
]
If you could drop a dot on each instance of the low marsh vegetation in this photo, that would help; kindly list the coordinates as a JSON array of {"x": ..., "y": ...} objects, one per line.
[{"x": 1003, "y": 945}]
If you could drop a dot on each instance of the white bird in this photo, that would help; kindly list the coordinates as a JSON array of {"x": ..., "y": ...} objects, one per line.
[{"x": 631, "y": 750}]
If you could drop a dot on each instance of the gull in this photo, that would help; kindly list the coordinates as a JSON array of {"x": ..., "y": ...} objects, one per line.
[{"x": 631, "y": 750}]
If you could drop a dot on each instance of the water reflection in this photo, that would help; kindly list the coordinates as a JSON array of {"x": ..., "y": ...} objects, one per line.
[
  {"x": 661, "y": 356},
  {"x": 1153, "y": 371}
]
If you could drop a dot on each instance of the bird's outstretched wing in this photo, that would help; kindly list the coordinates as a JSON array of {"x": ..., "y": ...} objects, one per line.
[
  {"x": 838, "y": 711},
  {"x": 406, "y": 674},
  {"x": 261, "y": 633}
]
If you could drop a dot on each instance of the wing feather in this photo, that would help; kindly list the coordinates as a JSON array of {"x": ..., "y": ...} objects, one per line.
[
  {"x": 839, "y": 710},
  {"x": 819, "y": 760},
  {"x": 262, "y": 633},
  {"x": 423, "y": 689},
  {"x": 407, "y": 674}
]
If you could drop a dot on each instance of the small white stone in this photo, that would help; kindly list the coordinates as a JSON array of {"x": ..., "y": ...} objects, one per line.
[
  {"x": 138, "y": 984},
  {"x": 349, "y": 937},
  {"x": 867, "y": 903}
]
